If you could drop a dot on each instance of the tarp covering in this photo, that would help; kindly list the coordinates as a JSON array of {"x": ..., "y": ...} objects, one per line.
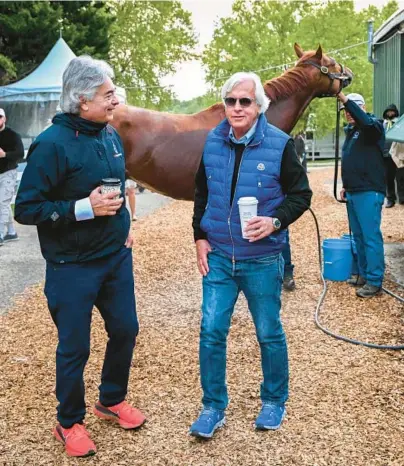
[
  {"x": 45, "y": 82},
  {"x": 31, "y": 102},
  {"x": 396, "y": 132}
]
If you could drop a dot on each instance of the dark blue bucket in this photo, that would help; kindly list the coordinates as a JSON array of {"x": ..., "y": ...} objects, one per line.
[
  {"x": 338, "y": 259},
  {"x": 355, "y": 268}
]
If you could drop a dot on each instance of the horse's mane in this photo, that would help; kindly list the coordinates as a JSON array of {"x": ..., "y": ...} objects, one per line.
[
  {"x": 218, "y": 107},
  {"x": 280, "y": 88},
  {"x": 215, "y": 107},
  {"x": 290, "y": 82}
]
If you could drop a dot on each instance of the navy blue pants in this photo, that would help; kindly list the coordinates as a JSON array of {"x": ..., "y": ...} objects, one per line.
[
  {"x": 72, "y": 290},
  {"x": 287, "y": 257}
]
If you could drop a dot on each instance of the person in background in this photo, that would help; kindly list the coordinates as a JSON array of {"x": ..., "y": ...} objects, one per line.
[
  {"x": 244, "y": 156},
  {"x": 300, "y": 145},
  {"x": 11, "y": 152},
  {"x": 130, "y": 191},
  {"x": 86, "y": 242},
  {"x": 288, "y": 279},
  {"x": 364, "y": 189},
  {"x": 390, "y": 116},
  {"x": 397, "y": 155}
]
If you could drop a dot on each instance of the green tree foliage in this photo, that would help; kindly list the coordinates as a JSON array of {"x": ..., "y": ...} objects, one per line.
[
  {"x": 337, "y": 25},
  {"x": 194, "y": 105},
  {"x": 147, "y": 40},
  {"x": 260, "y": 34},
  {"x": 257, "y": 35},
  {"x": 7, "y": 70},
  {"x": 28, "y": 30},
  {"x": 86, "y": 27}
]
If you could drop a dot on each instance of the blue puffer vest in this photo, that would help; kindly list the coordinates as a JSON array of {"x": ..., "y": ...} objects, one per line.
[{"x": 259, "y": 176}]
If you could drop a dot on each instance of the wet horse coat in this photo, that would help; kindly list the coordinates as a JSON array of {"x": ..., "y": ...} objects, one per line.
[{"x": 163, "y": 150}]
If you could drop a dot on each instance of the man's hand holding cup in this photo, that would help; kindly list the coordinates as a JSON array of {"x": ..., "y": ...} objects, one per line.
[
  {"x": 104, "y": 204},
  {"x": 258, "y": 228}
]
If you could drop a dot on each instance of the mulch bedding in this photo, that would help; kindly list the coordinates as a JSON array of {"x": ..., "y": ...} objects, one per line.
[{"x": 346, "y": 402}]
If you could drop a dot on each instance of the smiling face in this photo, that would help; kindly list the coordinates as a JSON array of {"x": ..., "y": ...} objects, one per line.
[
  {"x": 101, "y": 108},
  {"x": 241, "y": 117}
]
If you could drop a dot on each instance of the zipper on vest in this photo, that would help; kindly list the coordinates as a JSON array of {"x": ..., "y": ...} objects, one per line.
[
  {"x": 228, "y": 220},
  {"x": 231, "y": 209},
  {"x": 233, "y": 260}
]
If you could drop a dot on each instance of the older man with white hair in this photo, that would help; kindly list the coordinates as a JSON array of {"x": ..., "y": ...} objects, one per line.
[
  {"x": 85, "y": 239},
  {"x": 245, "y": 156}
]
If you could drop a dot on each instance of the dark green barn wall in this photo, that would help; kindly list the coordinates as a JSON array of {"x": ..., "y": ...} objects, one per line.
[{"x": 389, "y": 75}]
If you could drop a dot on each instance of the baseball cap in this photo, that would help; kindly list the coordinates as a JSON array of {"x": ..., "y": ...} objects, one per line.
[
  {"x": 2, "y": 112},
  {"x": 357, "y": 98}
]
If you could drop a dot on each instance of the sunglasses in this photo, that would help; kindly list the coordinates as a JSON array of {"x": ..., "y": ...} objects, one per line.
[{"x": 232, "y": 101}]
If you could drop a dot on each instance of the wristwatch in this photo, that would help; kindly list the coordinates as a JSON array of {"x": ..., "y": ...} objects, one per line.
[{"x": 276, "y": 223}]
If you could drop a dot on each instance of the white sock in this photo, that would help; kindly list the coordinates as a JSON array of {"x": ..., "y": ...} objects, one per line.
[{"x": 11, "y": 229}]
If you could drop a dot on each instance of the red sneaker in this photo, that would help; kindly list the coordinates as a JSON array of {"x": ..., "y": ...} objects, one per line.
[
  {"x": 122, "y": 413},
  {"x": 76, "y": 440}
]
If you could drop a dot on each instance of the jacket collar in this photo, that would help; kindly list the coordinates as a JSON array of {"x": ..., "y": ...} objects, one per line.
[
  {"x": 78, "y": 124},
  {"x": 246, "y": 138}
]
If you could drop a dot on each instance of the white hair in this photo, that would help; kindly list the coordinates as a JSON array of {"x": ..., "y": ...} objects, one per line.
[
  {"x": 237, "y": 78},
  {"x": 82, "y": 77}
]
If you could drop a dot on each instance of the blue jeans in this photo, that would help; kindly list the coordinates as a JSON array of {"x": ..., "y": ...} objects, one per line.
[
  {"x": 72, "y": 290},
  {"x": 287, "y": 257},
  {"x": 260, "y": 280},
  {"x": 365, "y": 214}
]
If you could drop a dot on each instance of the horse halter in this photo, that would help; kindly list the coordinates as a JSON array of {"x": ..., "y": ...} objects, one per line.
[{"x": 343, "y": 78}]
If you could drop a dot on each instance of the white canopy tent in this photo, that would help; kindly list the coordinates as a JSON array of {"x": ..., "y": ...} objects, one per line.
[{"x": 31, "y": 102}]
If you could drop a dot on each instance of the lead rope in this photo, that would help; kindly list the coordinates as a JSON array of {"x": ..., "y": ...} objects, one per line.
[{"x": 336, "y": 155}]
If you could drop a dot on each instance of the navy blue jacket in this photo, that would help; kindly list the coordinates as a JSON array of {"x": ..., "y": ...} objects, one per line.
[
  {"x": 65, "y": 163},
  {"x": 11, "y": 143},
  {"x": 362, "y": 152}
]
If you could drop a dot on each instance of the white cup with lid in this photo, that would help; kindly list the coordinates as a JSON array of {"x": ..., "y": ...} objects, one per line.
[{"x": 248, "y": 209}]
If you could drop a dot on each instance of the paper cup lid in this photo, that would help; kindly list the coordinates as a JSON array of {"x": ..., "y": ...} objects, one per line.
[
  {"x": 110, "y": 181},
  {"x": 247, "y": 201}
]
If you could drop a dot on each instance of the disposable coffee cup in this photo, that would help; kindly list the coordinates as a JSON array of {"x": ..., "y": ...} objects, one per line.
[
  {"x": 111, "y": 185},
  {"x": 248, "y": 209}
]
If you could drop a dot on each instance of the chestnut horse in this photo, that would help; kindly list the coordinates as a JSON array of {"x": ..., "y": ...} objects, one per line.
[{"x": 163, "y": 150}]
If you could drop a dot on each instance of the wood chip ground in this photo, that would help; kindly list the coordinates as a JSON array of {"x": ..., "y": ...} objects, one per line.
[{"x": 346, "y": 402}]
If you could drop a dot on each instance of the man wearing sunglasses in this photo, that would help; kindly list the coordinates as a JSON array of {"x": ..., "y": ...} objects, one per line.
[
  {"x": 11, "y": 151},
  {"x": 244, "y": 156}
]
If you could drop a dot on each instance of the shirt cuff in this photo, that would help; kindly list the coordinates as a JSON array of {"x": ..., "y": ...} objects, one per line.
[
  {"x": 83, "y": 210},
  {"x": 199, "y": 234}
]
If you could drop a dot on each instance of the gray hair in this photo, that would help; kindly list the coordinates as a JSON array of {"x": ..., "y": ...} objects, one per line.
[
  {"x": 237, "y": 78},
  {"x": 82, "y": 77}
]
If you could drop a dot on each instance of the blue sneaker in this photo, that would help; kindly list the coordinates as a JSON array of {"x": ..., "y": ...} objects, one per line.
[
  {"x": 270, "y": 417},
  {"x": 208, "y": 421}
]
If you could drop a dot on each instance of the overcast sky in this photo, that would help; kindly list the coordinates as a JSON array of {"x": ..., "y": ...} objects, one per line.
[{"x": 189, "y": 80}]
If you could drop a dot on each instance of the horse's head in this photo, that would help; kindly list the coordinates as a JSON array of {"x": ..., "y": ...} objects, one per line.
[{"x": 332, "y": 76}]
